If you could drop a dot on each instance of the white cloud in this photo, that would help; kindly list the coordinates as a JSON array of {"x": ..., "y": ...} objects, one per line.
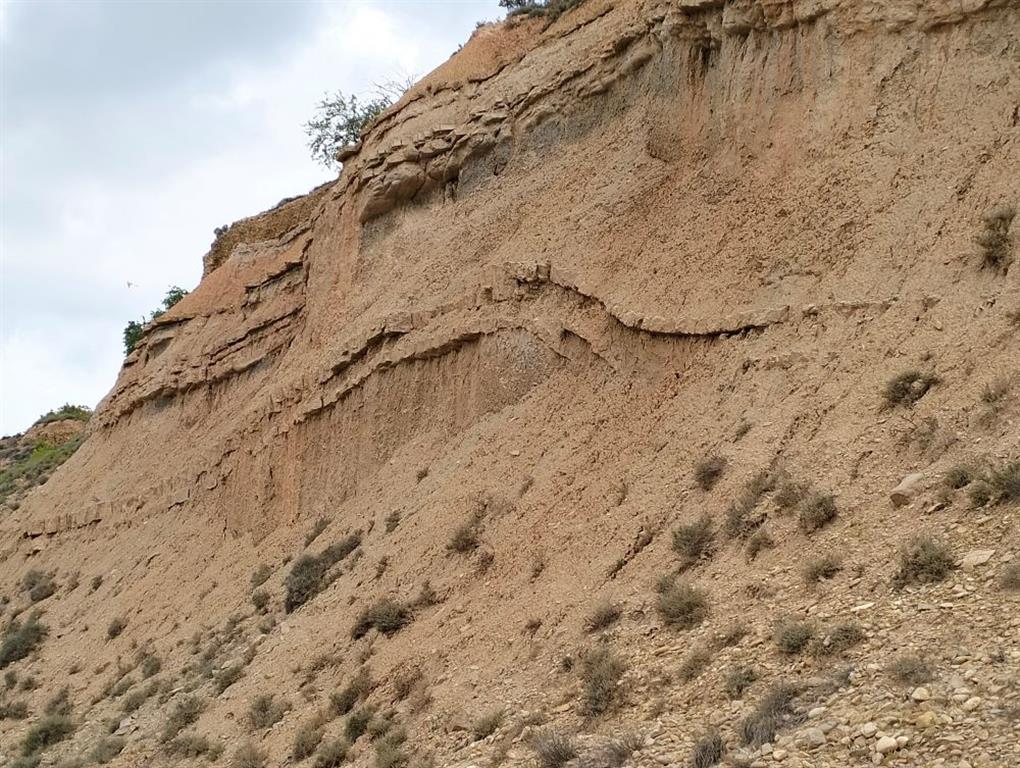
[{"x": 132, "y": 189}]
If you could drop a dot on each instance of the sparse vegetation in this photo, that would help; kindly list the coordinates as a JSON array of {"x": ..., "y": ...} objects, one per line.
[
  {"x": 923, "y": 560},
  {"x": 792, "y": 636},
  {"x": 604, "y": 615},
  {"x": 817, "y": 511},
  {"x": 694, "y": 540},
  {"x": 601, "y": 672},
  {"x": 958, "y": 476},
  {"x": 20, "y": 638},
  {"x": 46, "y": 732},
  {"x": 260, "y": 599},
  {"x": 150, "y": 665},
  {"x": 307, "y": 576},
  {"x": 227, "y": 676},
  {"x": 824, "y": 567},
  {"x": 838, "y": 640},
  {"x": 190, "y": 745},
  {"x": 551, "y": 9},
  {"x": 386, "y": 615},
  {"x": 184, "y": 713},
  {"x": 115, "y": 627},
  {"x": 553, "y": 749},
  {"x": 738, "y": 680},
  {"x": 331, "y": 754},
  {"x": 260, "y": 575},
  {"x": 488, "y": 724},
  {"x": 39, "y": 585},
  {"x": 13, "y": 710},
  {"x": 759, "y": 540},
  {"x": 307, "y": 739},
  {"x": 708, "y": 751},
  {"x": 249, "y": 755},
  {"x": 694, "y": 664},
  {"x": 135, "y": 329},
  {"x": 769, "y": 716},
  {"x": 1005, "y": 482},
  {"x": 681, "y": 605},
  {"x": 316, "y": 530},
  {"x": 1010, "y": 579},
  {"x": 339, "y": 120},
  {"x": 358, "y": 688},
  {"x": 106, "y": 749},
  {"x": 909, "y": 669},
  {"x": 994, "y": 241},
  {"x": 907, "y": 388},
  {"x": 708, "y": 471},
  {"x": 357, "y": 723}
]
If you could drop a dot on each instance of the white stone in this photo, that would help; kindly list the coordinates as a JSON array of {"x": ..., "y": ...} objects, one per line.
[
  {"x": 906, "y": 490},
  {"x": 975, "y": 558},
  {"x": 886, "y": 744},
  {"x": 921, "y": 694}
]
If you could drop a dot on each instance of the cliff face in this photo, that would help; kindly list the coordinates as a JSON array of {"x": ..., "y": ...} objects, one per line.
[{"x": 571, "y": 263}]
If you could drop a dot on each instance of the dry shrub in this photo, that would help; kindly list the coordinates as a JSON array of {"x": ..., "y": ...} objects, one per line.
[
  {"x": 792, "y": 635},
  {"x": 266, "y": 710},
  {"x": 386, "y": 615},
  {"x": 760, "y": 540},
  {"x": 907, "y": 388},
  {"x": 601, "y": 672},
  {"x": 106, "y": 749},
  {"x": 824, "y": 567},
  {"x": 994, "y": 240},
  {"x": 488, "y": 724},
  {"x": 1005, "y": 482},
  {"x": 738, "y": 680},
  {"x": 307, "y": 739},
  {"x": 694, "y": 664},
  {"x": 604, "y": 615},
  {"x": 694, "y": 540},
  {"x": 260, "y": 575},
  {"x": 331, "y": 754},
  {"x": 909, "y": 669},
  {"x": 838, "y": 640},
  {"x": 708, "y": 751},
  {"x": 708, "y": 471},
  {"x": 681, "y": 605},
  {"x": 772, "y": 713},
  {"x": 553, "y": 749},
  {"x": 1010, "y": 579},
  {"x": 184, "y": 713},
  {"x": 817, "y": 511},
  {"x": 923, "y": 560}
]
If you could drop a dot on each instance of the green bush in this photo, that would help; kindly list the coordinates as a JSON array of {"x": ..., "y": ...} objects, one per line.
[
  {"x": 339, "y": 121},
  {"x": 307, "y": 576}
]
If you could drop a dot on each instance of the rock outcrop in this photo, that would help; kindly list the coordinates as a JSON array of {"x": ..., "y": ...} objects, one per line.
[{"x": 569, "y": 265}]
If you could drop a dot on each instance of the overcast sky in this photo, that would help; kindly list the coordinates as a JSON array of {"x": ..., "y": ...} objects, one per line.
[{"x": 129, "y": 130}]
